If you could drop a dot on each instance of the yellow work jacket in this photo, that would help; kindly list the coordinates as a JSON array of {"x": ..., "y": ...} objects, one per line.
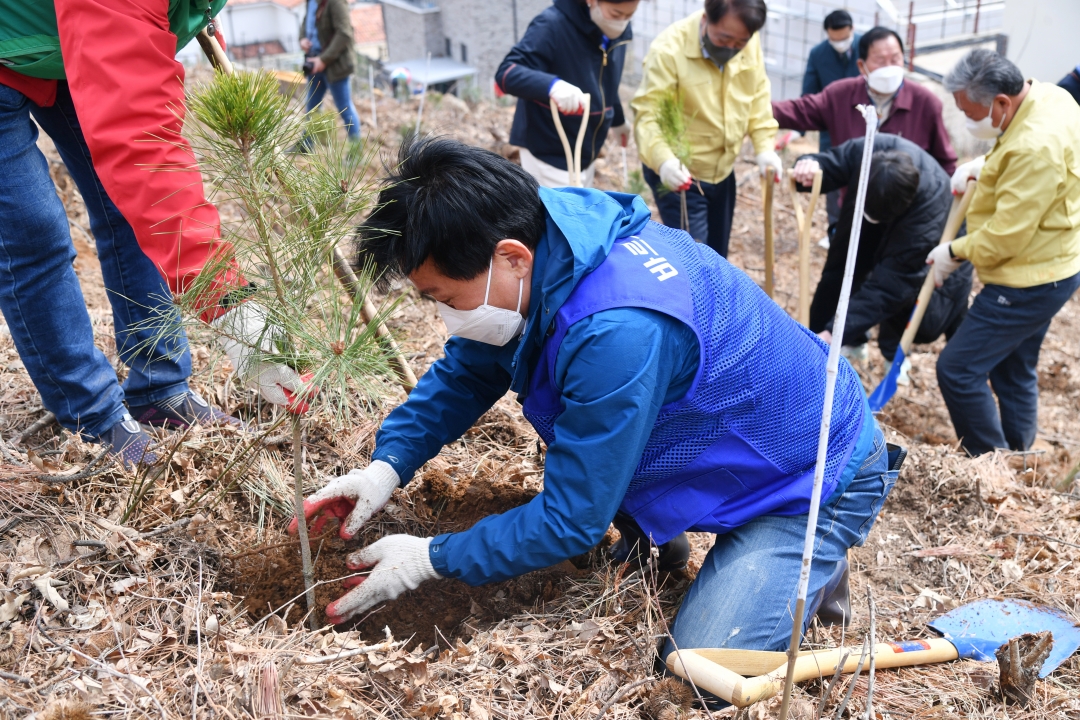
[
  {"x": 723, "y": 105},
  {"x": 1024, "y": 219}
]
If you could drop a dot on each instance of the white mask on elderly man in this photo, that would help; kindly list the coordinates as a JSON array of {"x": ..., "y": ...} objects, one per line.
[
  {"x": 886, "y": 80},
  {"x": 984, "y": 129},
  {"x": 842, "y": 46},
  {"x": 611, "y": 28},
  {"x": 487, "y": 323}
]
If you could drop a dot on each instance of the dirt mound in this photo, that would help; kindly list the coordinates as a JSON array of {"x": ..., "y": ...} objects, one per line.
[{"x": 270, "y": 580}]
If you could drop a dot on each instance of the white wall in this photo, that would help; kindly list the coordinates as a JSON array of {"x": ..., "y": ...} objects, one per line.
[
  {"x": 263, "y": 22},
  {"x": 1042, "y": 37}
]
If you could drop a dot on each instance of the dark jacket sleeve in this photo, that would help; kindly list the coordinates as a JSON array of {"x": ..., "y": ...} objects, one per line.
[
  {"x": 898, "y": 274},
  {"x": 343, "y": 31},
  {"x": 839, "y": 165},
  {"x": 802, "y": 114},
  {"x": 811, "y": 81},
  {"x": 524, "y": 70}
]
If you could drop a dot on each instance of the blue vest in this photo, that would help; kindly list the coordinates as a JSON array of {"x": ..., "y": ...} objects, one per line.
[{"x": 742, "y": 442}]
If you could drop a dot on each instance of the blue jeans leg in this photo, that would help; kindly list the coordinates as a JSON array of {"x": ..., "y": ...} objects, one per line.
[
  {"x": 158, "y": 360},
  {"x": 744, "y": 594},
  {"x": 710, "y": 208},
  {"x": 39, "y": 293},
  {"x": 341, "y": 92},
  {"x": 999, "y": 341}
]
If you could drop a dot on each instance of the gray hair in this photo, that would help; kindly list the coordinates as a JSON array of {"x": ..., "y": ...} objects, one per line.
[{"x": 982, "y": 74}]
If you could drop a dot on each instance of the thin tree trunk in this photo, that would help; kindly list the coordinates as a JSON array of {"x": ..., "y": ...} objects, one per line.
[{"x": 298, "y": 501}]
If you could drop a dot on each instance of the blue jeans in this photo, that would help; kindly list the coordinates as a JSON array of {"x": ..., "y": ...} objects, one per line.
[
  {"x": 710, "y": 214},
  {"x": 316, "y": 91},
  {"x": 999, "y": 340},
  {"x": 744, "y": 594},
  {"x": 40, "y": 295}
]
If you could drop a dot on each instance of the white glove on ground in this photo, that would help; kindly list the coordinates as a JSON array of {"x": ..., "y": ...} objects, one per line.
[
  {"x": 768, "y": 159},
  {"x": 622, "y": 133},
  {"x": 804, "y": 170},
  {"x": 245, "y": 333},
  {"x": 352, "y": 499},
  {"x": 944, "y": 263},
  {"x": 968, "y": 171},
  {"x": 674, "y": 175},
  {"x": 401, "y": 563},
  {"x": 569, "y": 98}
]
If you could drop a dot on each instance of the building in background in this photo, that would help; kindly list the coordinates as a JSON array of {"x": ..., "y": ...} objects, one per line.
[
  {"x": 368, "y": 28},
  {"x": 473, "y": 33}
]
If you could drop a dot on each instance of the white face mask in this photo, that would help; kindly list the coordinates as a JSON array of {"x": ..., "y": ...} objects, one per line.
[
  {"x": 841, "y": 46},
  {"x": 487, "y": 323},
  {"x": 611, "y": 28},
  {"x": 886, "y": 80},
  {"x": 984, "y": 129}
]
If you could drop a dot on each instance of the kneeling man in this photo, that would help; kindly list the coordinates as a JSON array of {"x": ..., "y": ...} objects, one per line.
[{"x": 668, "y": 387}]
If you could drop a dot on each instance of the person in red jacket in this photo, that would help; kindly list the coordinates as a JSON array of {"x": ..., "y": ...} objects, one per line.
[{"x": 101, "y": 79}]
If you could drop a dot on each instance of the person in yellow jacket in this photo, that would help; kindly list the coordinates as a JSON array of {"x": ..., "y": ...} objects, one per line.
[
  {"x": 713, "y": 59},
  {"x": 1024, "y": 241}
]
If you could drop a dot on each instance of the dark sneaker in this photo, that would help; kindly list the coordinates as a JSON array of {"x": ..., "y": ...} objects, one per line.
[
  {"x": 633, "y": 547},
  {"x": 129, "y": 443},
  {"x": 181, "y": 410}
]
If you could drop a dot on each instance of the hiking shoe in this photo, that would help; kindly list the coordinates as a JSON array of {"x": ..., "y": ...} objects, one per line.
[
  {"x": 181, "y": 410},
  {"x": 127, "y": 442}
]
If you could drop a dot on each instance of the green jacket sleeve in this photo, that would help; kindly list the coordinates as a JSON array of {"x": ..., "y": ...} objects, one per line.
[{"x": 343, "y": 31}]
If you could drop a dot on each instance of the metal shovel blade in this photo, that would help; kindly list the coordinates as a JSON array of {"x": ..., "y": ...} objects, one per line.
[
  {"x": 979, "y": 628},
  {"x": 887, "y": 387}
]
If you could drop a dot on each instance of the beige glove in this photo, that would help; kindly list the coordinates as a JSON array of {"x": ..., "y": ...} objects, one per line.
[
  {"x": 352, "y": 499},
  {"x": 398, "y": 562},
  {"x": 675, "y": 176},
  {"x": 968, "y": 171},
  {"x": 569, "y": 98},
  {"x": 943, "y": 263},
  {"x": 768, "y": 159}
]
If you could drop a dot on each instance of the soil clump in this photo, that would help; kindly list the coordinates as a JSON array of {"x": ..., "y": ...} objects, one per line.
[{"x": 437, "y": 504}]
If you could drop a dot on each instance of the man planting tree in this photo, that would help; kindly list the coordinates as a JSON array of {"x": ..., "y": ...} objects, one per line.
[
  {"x": 100, "y": 77},
  {"x": 673, "y": 395}
]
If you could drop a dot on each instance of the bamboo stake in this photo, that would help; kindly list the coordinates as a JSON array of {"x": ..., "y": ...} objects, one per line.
[
  {"x": 832, "y": 365},
  {"x": 767, "y": 195},
  {"x": 298, "y": 501},
  {"x": 805, "y": 224}
]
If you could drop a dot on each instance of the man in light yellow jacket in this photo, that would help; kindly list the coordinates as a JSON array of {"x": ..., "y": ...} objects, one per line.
[
  {"x": 713, "y": 59},
  {"x": 1024, "y": 241}
]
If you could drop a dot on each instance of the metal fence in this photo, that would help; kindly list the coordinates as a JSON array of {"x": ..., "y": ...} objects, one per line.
[{"x": 795, "y": 26}]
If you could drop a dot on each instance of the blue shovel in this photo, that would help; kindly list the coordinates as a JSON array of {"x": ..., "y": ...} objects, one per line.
[
  {"x": 972, "y": 632},
  {"x": 887, "y": 387}
]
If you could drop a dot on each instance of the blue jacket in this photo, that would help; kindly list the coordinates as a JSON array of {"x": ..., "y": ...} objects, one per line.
[
  {"x": 617, "y": 369},
  {"x": 825, "y": 66},
  {"x": 562, "y": 43}
]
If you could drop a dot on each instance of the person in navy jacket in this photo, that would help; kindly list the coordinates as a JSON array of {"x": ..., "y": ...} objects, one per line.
[
  {"x": 832, "y": 59},
  {"x": 667, "y": 386},
  {"x": 573, "y": 48}
]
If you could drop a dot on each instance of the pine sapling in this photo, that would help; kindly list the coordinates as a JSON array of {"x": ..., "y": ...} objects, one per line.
[
  {"x": 293, "y": 214},
  {"x": 672, "y": 121}
]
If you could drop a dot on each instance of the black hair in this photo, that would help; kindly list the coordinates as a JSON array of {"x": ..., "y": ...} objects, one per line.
[
  {"x": 750, "y": 12},
  {"x": 838, "y": 19},
  {"x": 452, "y": 203},
  {"x": 892, "y": 185},
  {"x": 872, "y": 36}
]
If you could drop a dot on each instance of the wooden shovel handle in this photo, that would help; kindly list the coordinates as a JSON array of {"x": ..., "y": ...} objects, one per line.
[
  {"x": 806, "y": 224},
  {"x": 573, "y": 157},
  {"x": 740, "y": 691},
  {"x": 952, "y": 226},
  {"x": 214, "y": 52},
  {"x": 767, "y": 195}
]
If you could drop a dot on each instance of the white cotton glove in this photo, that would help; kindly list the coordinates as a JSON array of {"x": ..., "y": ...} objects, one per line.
[
  {"x": 244, "y": 337},
  {"x": 569, "y": 98},
  {"x": 399, "y": 562},
  {"x": 674, "y": 175},
  {"x": 804, "y": 171},
  {"x": 622, "y": 133},
  {"x": 968, "y": 171},
  {"x": 352, "y": 499},
  {"x": 944, "y": 263},
  {"x": 768, "y": 159}
]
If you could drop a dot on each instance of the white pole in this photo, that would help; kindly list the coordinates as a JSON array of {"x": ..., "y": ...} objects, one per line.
[
  {"x": 870, "y": 115},
  {"x": 423, "y": 94},
  {"x": 371, "y": 88}
]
